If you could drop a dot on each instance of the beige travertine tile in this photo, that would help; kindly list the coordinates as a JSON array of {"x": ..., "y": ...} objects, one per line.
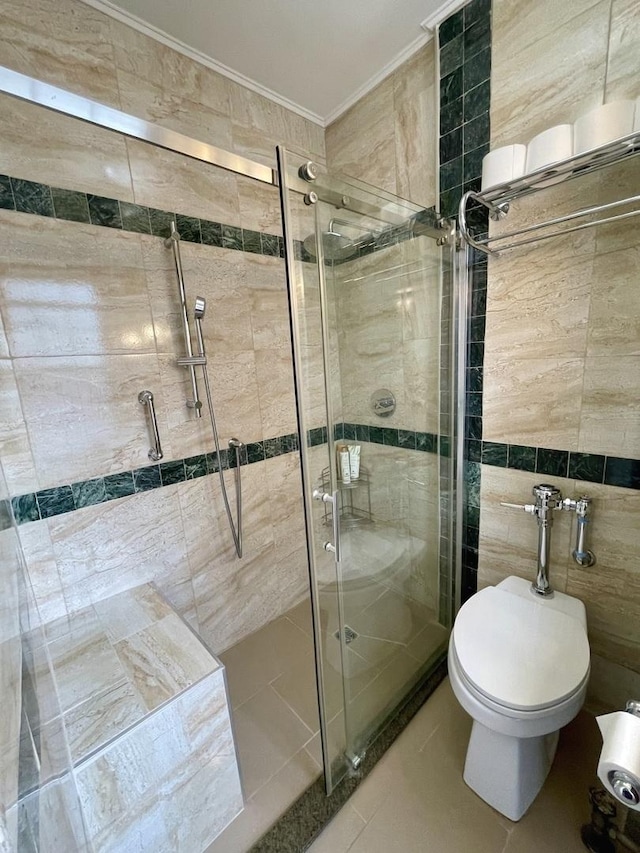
[
  {"x": 153, "y": 101},
  {"x": 622, "y": 78},
  {"x": 518, "y": 320},
  {"x": 68, "y": 44},
  {"x": 269, "y": 306},
  {"x": 82, "y": 293},
  {"x": 83, "y": 414},
  {"x": 361, "y": 142},
  {"x": 549, "y": 80},
  {"x": 163, "y": 660},
  {"x": 109, "y": 548},
  {"x": 421, "y": 374},
  {"x": 76, "y": 682},
  {"x": 181, "y": 751},
  {"x": 259, "y": 124},
  {"x": 518, "y": 21},
  {"x": 177, "y": 75},
  {"x": 415, "y": 137},
  {"x": 101, "y": 717},
  {"x": 610, "y": 396},
  {"x": 260, "y": 757},
  {"x": 42, "y": 570},
  {"x": 170, "y": 181},
  {"x": 72, "y": 154},
  {"x": 532, "y": 401},
  {"x": 614, "y": 313},
  {"x": 259, "y": 206},
  {"x": 274, "y": 375},
  {"x": 130, "y": 611},
  {"x": 17, "y": 459}
]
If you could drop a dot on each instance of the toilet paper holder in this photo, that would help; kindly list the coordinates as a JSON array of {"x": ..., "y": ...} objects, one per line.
[{"x": 624, "y": 785}]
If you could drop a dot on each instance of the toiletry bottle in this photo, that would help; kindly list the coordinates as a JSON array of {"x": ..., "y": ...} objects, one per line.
[
  {"x": 354, "y": 461},
  {"x": 344, "y": 469}
]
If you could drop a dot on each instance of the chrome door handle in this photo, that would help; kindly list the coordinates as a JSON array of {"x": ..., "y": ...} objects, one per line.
[
  {"x": 325, "y": 497},
  {"x": 146, "y": 399}
]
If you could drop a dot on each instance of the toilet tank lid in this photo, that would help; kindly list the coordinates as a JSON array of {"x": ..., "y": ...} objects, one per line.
[{"x": 519, "y": 651}]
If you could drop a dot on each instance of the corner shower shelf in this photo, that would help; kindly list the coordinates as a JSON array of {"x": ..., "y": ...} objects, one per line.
[{"x": 498, "y": 199}]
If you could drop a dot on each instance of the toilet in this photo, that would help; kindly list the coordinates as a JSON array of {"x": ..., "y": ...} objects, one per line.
[{"x": 519, "y": 665}]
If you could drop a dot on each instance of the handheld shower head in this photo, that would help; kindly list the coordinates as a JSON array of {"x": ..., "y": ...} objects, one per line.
[{"x": 200, "y": 307}]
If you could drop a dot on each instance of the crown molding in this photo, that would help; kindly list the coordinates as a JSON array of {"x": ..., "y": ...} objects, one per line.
[
  {"x": 431, "y": 23},
  {"x": 175, "y": 44},
  {"x": 401, "y": 57}
]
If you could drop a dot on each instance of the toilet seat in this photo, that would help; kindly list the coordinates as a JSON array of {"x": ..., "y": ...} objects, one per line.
[{"x": 521, "y": 653}]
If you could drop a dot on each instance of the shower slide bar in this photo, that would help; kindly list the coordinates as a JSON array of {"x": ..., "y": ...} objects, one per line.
[{"x": 191, "y": 361}]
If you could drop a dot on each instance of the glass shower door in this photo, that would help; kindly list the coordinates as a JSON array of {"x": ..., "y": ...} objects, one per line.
[{"x": 366, "y": 273}]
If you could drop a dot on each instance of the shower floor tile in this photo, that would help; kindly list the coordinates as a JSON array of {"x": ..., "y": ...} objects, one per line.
[{"x": 415, "y": 798}]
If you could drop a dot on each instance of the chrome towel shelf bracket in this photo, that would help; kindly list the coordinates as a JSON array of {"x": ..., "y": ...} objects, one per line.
[{"x": 498, "y": 200}]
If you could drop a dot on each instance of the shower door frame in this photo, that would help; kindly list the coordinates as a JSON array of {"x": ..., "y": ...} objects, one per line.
[{"x": 445, "y": 234}]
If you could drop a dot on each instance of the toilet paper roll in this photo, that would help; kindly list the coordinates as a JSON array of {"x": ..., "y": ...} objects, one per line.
[
  {"x": 636, "y": 121},
  {"x": 620, "y": 757},
  {"x": 548, "y": 147},
  {"x": 503, "y": 165},
  {"x": 602, "y": 125}
]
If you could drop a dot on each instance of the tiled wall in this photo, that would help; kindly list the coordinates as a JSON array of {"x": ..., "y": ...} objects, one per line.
[
  {"x": 465, "y": 92},
  {"x": 88, "y": 299},
  {"x": 388, "y": 138},
  {"x": 560, "y": 357}
]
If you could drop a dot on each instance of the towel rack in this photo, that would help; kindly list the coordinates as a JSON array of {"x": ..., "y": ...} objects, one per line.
[{"x": 498, "y": 199}]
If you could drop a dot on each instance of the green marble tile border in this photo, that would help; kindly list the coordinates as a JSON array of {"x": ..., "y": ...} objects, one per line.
[
  {"x": 47, "y": 503},
  {"x": 43, "y": 200},
  {"x": 587, "y": 467},
  {"x": 305, "y": 819}
]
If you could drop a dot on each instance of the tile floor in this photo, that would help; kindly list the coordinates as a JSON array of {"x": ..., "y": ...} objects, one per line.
[
  {"x": 271, "y": 682},
  {"x": 415, "y": 798}
]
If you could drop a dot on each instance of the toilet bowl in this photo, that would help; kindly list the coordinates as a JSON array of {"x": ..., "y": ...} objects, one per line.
[{"x": 519, "y": 665}]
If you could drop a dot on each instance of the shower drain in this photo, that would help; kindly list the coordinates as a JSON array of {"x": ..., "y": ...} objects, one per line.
[{"x": 349, "y": 635}]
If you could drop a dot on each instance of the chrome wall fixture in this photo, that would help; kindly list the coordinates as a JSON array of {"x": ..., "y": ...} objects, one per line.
[
  {"x": 146, "y": 399},
  {"x": 187, "y": 361},
  {"x": 498, "y": 199},
  {"x": 191, "y": 362},
  {"x": 548, "y": 499}
]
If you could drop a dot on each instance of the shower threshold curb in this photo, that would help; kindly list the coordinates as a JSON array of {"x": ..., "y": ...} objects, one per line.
[{"x": 305, "y": 819}]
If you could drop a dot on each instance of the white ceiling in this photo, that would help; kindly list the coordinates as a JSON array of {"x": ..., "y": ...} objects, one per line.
[{"x": 315, "y": 56}]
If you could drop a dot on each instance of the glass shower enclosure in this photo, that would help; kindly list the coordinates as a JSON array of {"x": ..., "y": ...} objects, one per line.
[{"x": 368, "y": 278}]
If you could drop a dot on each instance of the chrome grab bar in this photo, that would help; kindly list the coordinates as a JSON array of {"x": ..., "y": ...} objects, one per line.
[{"x": 146, "y": 399}]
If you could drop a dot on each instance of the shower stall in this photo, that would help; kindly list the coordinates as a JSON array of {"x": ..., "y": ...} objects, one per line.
[
  {"x": 370, "y": 299},
  {"x": 313, "y": 613}
]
